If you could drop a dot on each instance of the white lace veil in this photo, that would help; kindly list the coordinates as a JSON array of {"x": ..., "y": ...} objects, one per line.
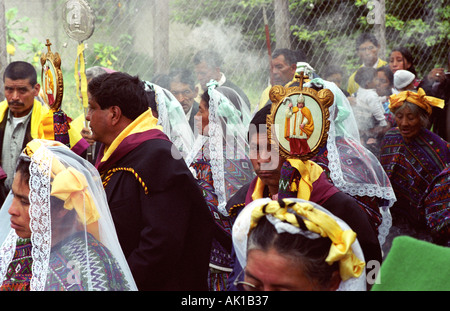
[
  {"x": 226, "y": 140},
  {"x": 73, "y": 238},
  {"x": 172, "y": 118},
  {"x": 241, "y": 230},
  {"x": 368, "y": 177}
]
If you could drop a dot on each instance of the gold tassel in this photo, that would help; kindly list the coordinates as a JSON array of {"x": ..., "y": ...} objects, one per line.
[{"x": 294, "y": 186}]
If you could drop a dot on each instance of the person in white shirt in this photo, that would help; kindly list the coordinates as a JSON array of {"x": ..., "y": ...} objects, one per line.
[{"x": 369, "y": 111}]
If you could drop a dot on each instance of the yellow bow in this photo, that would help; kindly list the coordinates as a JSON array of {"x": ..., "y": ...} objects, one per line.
[
  {"x": 70, "y": 186},
  {"x": 321, "y": 223},
  {"x": 420, "y": 99}
]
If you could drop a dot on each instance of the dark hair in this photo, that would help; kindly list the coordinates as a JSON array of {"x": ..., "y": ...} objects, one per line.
[
  {"x": 366, "y": 37},
  {"x": 122, "y": 90},
  {"x": 23, "y": 167},
  {"x": 258, "y": 124},
  {"x": 205, "y": 97},
  {"x": 408, "y": 56},
  {"x": 183, "y": 76},
  {"x": 309, "y": 254},
  {"x": 210, "y": 57},
  {"x": 364, "y": 75},
  {"x": 21, "y": 70},
  {"x": 387, "y": 71},
  {"x": 151, "y": 96},
  {"x": 289, "y": 55},
  {"x": 331, "y": 70}
]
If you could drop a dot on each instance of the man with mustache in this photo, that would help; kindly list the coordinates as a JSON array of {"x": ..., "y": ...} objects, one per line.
[
  {"x": 182, "y": 86},
  {"x": 21, "y": 120}
]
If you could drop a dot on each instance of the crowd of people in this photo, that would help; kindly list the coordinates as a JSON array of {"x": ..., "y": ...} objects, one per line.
[{"x": 185, "y": 192}]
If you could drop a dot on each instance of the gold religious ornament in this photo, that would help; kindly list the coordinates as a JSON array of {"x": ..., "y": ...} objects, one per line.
[
  {"x": 52, "y": 85},
  {"x": 298, "y": 122}
]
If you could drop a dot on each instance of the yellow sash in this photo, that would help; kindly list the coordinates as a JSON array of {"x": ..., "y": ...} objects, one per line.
[
  {"x": 144, "y": 122},
  {"x": 309, "y": 172}
]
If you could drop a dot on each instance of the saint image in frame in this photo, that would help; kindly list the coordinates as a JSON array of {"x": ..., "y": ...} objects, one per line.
[{"x": 298, "y": 121}]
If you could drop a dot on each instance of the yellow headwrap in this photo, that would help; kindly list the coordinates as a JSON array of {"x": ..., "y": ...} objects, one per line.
[
  {"x": 68, "y": 185},
  {"x": 420, "y": 99},
  {"x": 321, "y": 223}
]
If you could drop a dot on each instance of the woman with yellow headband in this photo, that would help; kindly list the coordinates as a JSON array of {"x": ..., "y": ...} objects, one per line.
[
  {"x": 412, "y": 157},
  {"x": 60, "y": 234},
  {"x": 296, "y": 245}
]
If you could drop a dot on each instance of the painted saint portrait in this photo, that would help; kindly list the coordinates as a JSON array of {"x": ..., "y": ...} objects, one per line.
[{"x": 299, "y": 120}]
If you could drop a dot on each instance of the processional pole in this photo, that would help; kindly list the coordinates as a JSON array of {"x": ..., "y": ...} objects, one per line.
[
  {"x": 269, "y": 49},
  {"x": 79, "y": 24}
]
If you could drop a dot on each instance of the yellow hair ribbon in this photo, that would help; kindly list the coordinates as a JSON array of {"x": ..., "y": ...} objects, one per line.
[
  {"x": 321, "y": 223},
  {"x": 420, "y": 99},
  {"x": 68, "y": 185},
  {"x": 309, "y": 172}
]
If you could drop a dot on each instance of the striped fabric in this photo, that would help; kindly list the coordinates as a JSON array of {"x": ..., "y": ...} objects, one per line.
[{"x": 412, "y": 167}]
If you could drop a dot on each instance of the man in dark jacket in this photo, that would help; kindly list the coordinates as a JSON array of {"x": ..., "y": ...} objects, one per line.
[{"x": 162, "y": 221}]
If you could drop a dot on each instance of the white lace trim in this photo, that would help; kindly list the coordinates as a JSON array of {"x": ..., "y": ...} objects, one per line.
[
  {"x": 172, "y": 119},
  {"x": 216, "y": 151},
  {"x": 359, "y": 189},
  {"x": 7, "y": 253},
  {"x": 40, "y": 222}
]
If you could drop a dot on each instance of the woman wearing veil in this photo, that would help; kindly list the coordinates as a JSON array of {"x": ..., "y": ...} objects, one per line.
[
  {"x": 56, "y": 230},
  {"x": 219, "y": 161},
  {"x": 350, "y": 166},
  {"x": 171, "y": 117},
  {"x": 294, "y": 244}
]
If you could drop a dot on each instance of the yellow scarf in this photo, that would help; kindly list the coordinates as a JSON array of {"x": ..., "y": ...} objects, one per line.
[
  {"x": 420, "y": 99},
  {"x": 309, "y": 172},
  {"x": 37, "y": 115},
  {"x": 144, "y": 122}
]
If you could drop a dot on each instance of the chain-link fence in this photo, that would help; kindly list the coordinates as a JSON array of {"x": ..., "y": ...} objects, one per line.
[{"x": 150, "y": 37}]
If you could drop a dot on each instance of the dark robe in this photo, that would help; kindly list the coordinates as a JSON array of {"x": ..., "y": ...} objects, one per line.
[{"x": 161, "y": 218}]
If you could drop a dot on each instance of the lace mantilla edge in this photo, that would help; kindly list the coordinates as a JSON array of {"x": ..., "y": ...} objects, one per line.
[
  {"x": 353, "y": 189},
  {"x": 40, "y": 222}
]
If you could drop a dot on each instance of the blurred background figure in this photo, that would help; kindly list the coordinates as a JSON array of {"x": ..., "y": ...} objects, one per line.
[
  {"x": 367, "y": 48},
  {"x": 182, "y": 86},
  {"x": 207, "y": 67}
]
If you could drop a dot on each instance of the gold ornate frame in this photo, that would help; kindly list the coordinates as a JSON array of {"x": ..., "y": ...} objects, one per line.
[
  {"x": 51, "y": 78},
  {"x": 317, "y": 102}
]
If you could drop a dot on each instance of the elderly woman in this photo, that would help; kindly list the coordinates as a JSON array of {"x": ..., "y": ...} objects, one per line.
[
  {"x": 296, "y": 245},
  {"x": 412, "y": 156}
]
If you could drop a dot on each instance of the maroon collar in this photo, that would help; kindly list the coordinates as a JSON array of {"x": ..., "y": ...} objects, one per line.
[{"x": 128, "y": 144}]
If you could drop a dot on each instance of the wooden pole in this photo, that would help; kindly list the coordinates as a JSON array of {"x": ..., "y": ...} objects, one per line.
[
  {"x": 282, "y": 27},
  {"x": 161, "y": 37}
]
